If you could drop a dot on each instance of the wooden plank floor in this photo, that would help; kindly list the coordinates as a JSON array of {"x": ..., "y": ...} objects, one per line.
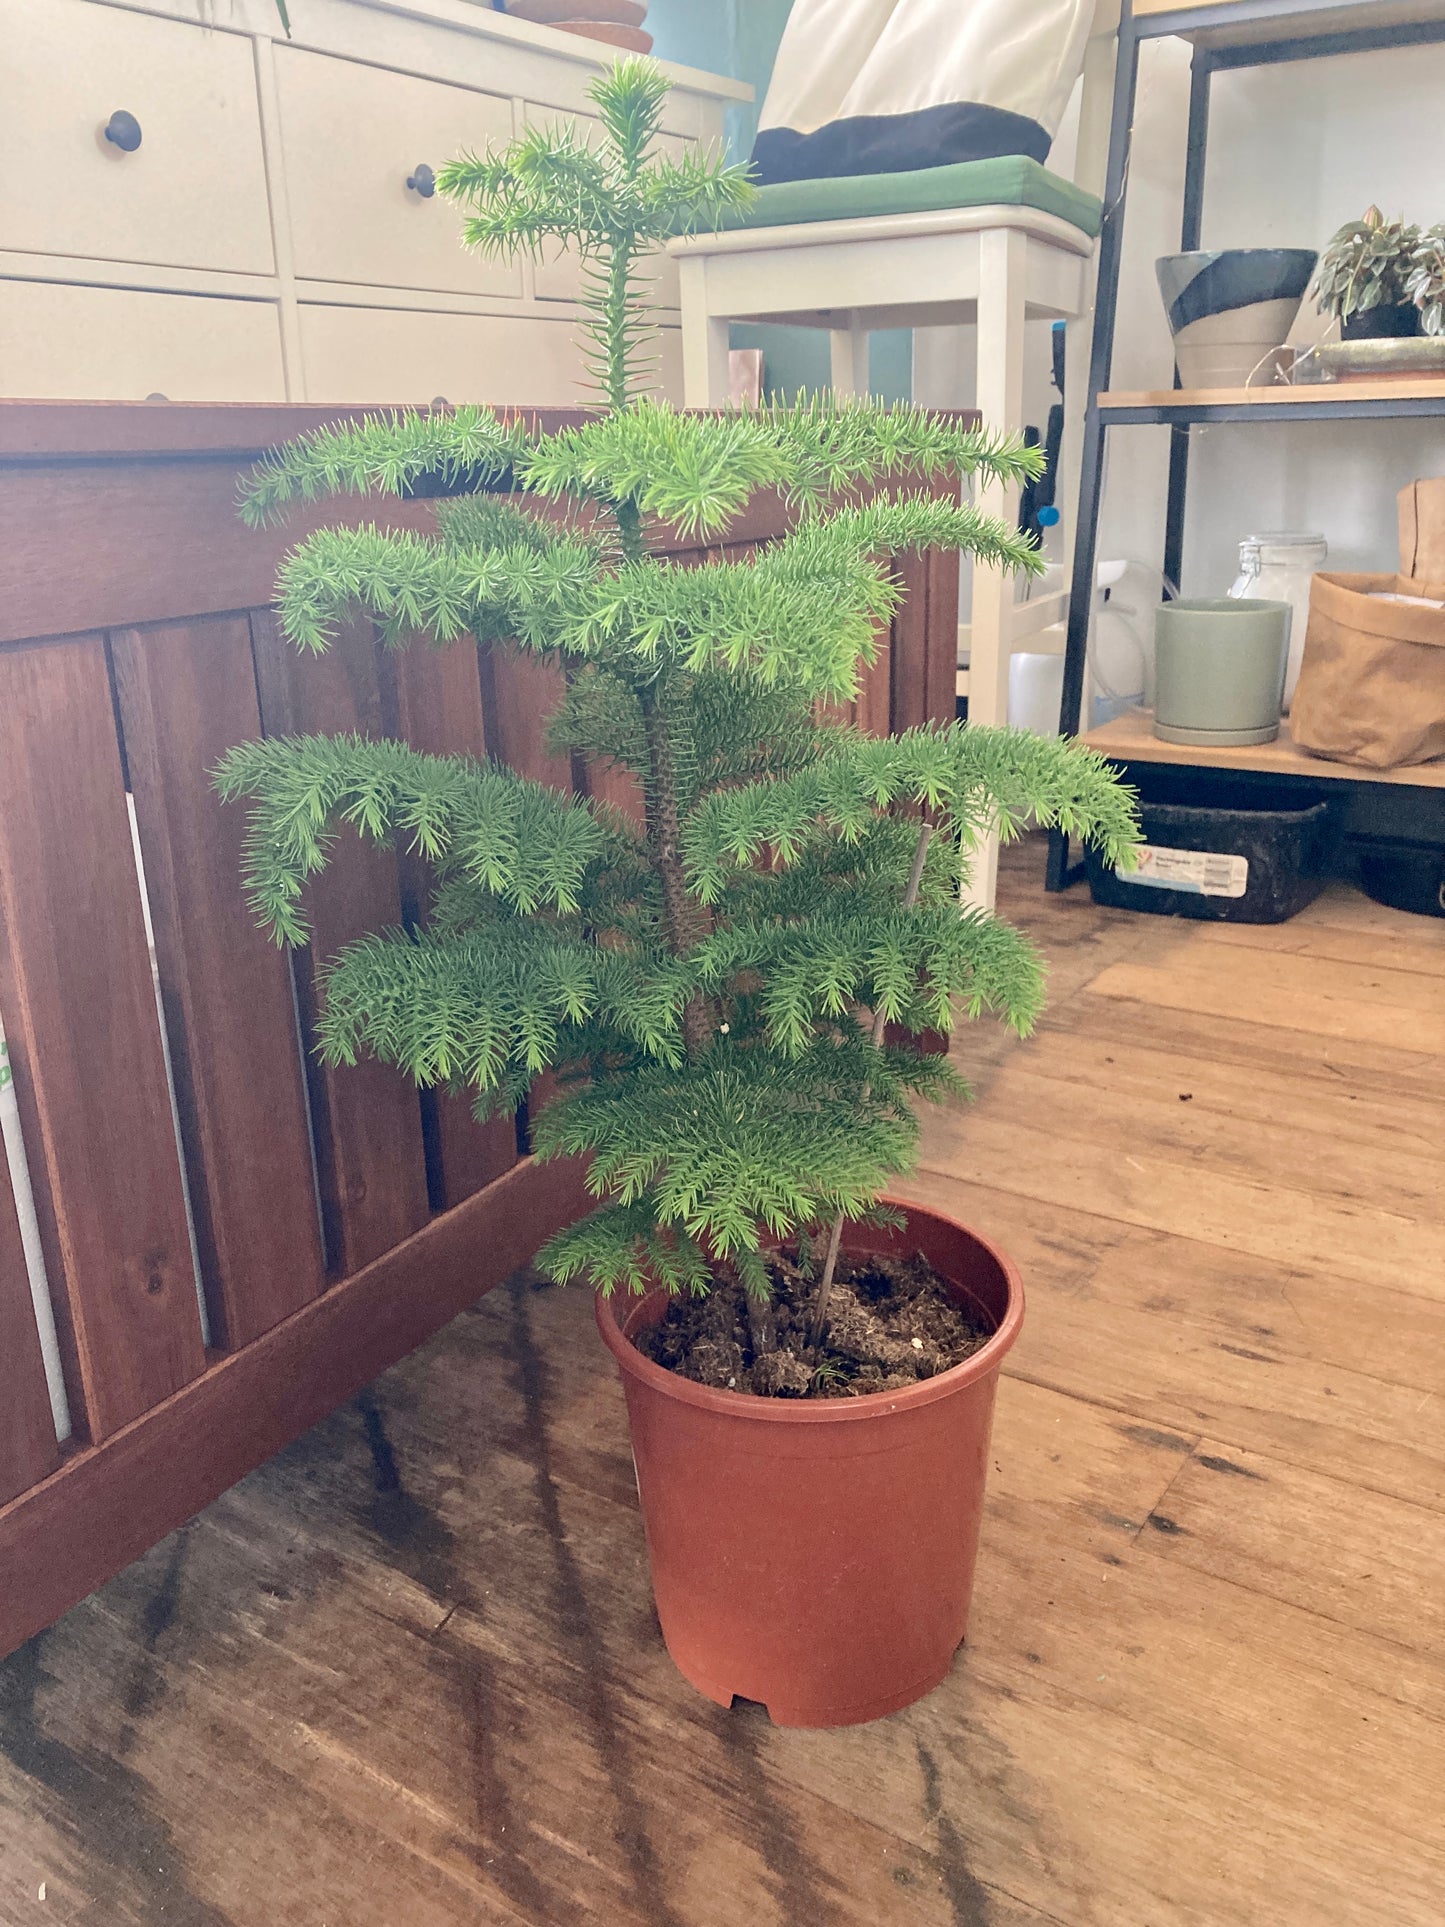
[{"x": 407, "y": 1674}]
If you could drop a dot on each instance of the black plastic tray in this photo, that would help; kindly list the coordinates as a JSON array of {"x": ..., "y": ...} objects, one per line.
[{"x": 1289, "y": 842}]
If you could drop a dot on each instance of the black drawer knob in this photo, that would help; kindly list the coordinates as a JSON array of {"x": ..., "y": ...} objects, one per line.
[
  {"x": 122, "y": 130},
  {"x": 423, "y": 181}
]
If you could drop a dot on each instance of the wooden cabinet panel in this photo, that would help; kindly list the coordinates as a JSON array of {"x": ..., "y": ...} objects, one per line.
[
  {"x": 398, "y": 355},
  {"x": 353, "y": 135},
  {"x": 62, "y": 343},
  {"x": 370, "y": 1160},
  {"x": 85, "y": 1040},
  {"x": 192, "y": 194},
  {"x": 440, "y": 710},
  {"x": 186, "y": 692},
  {"x": 28, "y": 1448}
]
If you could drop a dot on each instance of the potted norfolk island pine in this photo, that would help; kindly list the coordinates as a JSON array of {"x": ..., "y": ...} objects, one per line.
[
  {"x": 809, "y": 1371},
  {"x": 1363, "y": 277}
]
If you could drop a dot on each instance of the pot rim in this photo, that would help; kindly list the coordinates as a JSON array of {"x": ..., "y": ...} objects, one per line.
[
  {"x": 1218, "y": 254},
  {"x": 752, "y": 1406}
]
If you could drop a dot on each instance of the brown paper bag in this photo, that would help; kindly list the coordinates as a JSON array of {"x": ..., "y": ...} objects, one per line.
[
  {"x": 1422, "y": 529},
  {"x": 1372, "y": 684}
]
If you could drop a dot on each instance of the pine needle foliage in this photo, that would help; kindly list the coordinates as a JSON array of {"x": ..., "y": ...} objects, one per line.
[
  {"x": 705, "y": 985},
  {"x": 614, "y": 203}
]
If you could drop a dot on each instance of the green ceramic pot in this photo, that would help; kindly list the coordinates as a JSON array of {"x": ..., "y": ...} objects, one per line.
[{"x": 1219, "y": 670}]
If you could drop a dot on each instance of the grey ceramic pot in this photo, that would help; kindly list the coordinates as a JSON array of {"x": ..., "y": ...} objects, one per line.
[
  {"x": 1230, "y": 309},
  {"x": 1219, "y": 670}
]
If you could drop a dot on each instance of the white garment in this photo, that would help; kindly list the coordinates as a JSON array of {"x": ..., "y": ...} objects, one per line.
[{"x": 843, "y": 58}]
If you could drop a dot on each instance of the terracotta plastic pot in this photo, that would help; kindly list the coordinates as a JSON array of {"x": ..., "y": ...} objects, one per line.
[{"x": 817, "y": 1555}]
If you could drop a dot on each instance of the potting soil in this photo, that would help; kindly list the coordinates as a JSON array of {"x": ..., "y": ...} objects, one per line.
[{"x": 891, "y": 1323}]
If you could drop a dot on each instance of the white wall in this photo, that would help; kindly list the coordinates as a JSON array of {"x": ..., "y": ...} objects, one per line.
[{"x": 1294, "y": 151}]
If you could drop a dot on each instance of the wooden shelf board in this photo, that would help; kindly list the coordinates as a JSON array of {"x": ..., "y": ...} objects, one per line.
[
  {"x": 1401, "y": 388},
  {"x": 1289, "y": 23},
  {"x": 1130, "y": 738}
]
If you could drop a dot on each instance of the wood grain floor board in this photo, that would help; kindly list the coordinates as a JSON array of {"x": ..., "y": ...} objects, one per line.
[
  {"x": 1252, "y": 1046},
  {"x": 1342, "y": 908},
  {"x": 1254, "y": 965},
  {"x": 1377, "y": 1569},
  {"x": 1269, "y": 1680},
  {"x": 408, "y": 1674},
  {"x": 1322, "y": 1007},
  {"x": 1137, "y": 1335},
  {"x": 1389, "y": 1134},
  {"x": 1305, "y": 1145},
  {"x": 1303, "y": 1312},
  {"x": 1371, "y": 947},
  {"x": 1212, "y": 1203},
  {"x": 1283, "y": 1311}
]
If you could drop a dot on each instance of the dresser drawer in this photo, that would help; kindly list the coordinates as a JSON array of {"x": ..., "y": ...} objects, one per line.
[
  {"x": 352, "y": 136},
  {"x": 60, "y": 343},
  {"x": 400, "y": 355},
  {"x": 192, "y": 194},
  {"x": 394, "y": 355}
]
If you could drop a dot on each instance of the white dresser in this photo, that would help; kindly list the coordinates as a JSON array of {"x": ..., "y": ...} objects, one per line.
[{"x": 192, "y": 206}]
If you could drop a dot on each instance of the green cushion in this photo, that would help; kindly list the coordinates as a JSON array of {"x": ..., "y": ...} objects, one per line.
[{"x": 1012, "y": 180}]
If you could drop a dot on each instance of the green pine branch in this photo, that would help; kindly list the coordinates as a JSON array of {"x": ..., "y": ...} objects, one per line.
[
  {"x": 973, "y": 778},
  {"x": 612, "y": 203},
  {"x": 917, "y": 967},
  {"x": 854, "y": 878},
  {"x": 494, "y": 1006},
  {"x": 542, "y": 595},
  {"x": 384, "y": 457},
  {"x": 741, "y": 1142},
  {"x": 627, "y": 1247},
  {"x": 804, "y": 613},
  {"x": 698, "y": 472},
  {"x": 521, "y": 841}
]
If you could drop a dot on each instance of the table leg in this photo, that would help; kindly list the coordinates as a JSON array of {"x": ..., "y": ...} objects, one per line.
[
  {"x": 705, "y": 382},
  {"x": 848, "y": 349},
  {"x": 1001, "y": 286}
]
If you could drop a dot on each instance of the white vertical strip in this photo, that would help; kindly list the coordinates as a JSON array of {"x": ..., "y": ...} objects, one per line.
[
  {"x": 529, "y": 263},
  {"x": 145, "y": 907},
  {"x": 1003, "y": 256},
  {"x": 306, "y": 1111},
  {"x": 30, "y": 1244},
  {"x": 272, "y": 147}
]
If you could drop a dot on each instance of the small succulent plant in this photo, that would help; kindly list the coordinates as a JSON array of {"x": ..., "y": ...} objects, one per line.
[
  {"x": 1425, "y": 279},
  {"x": 1365, "y": 264}
]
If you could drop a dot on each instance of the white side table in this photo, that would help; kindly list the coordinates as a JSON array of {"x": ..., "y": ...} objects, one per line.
[{"x": 998, "y": 266}]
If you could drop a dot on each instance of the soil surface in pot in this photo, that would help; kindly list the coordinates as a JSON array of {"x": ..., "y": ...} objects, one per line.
[{"x": 891, "y": 1322}]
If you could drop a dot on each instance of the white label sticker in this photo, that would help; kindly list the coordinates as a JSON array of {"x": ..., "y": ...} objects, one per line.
[{"x": 1204, "y": 873}]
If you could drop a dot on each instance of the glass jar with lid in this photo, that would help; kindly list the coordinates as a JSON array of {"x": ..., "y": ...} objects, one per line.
[{"x": 1277, "y": 565}]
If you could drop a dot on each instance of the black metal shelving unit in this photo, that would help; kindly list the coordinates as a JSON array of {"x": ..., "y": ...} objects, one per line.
[{"x": 1239, "y": 33}]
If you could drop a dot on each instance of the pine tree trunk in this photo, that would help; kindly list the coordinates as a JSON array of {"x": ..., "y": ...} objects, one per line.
[
  {"x": 835, "y": 1236},
  {"x": 684, "y": 919}
]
